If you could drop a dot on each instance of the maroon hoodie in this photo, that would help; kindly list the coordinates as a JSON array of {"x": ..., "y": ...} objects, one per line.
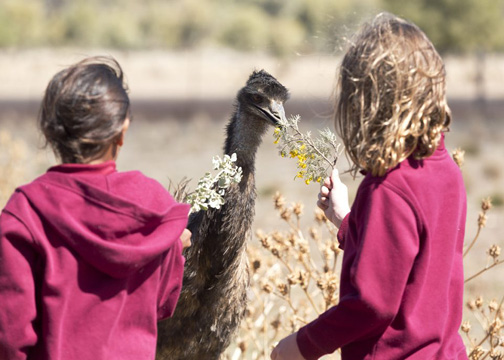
[
  {"x": 90, "y": 260},
  {"x": 401, "y": 292}
]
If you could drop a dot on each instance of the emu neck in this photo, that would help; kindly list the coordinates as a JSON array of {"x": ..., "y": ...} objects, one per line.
[
  {"x": 244, "y": 134},
  {"x": 229, "y": 227}
]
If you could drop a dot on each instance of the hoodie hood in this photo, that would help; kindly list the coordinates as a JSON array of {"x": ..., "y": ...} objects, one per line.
[{"x": 115, "y": 221}]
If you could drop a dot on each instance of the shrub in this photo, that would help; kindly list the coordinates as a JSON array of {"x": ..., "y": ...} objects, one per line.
[{"x": 247, "y": 30}]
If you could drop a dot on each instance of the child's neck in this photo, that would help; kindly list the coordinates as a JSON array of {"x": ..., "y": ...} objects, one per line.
[{"x": 109, "y": 155}]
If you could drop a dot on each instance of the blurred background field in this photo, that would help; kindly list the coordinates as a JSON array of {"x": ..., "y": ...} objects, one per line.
[{"x": 185, "y": 60}]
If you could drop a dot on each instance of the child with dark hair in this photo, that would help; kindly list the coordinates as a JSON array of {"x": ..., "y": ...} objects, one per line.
[
  {"x": 90, "y": 258},
  {"x": 402, "y": 281}
]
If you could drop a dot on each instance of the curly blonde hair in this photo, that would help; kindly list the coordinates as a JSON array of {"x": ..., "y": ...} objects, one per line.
[{"x": 392, "y": 101}]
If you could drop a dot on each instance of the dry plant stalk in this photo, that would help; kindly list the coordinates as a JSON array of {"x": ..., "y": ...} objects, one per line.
[
  {"x": 294, "y": 278},
  {"x": 489, "y": 314}
]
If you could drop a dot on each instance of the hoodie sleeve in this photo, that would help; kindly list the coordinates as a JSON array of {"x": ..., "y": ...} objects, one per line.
[
  {"x": 17, "y": 289},
  {"x": 381, "y": 242},
  {"x": 342, "y": 232},
  {"x": 171, "y": 281}
]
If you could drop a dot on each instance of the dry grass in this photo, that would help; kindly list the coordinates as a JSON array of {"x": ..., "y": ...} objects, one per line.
[{"x": 294, "y": 278}]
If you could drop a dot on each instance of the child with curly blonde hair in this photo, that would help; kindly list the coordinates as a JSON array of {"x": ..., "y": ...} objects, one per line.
[{"x": 401, "y": 288}]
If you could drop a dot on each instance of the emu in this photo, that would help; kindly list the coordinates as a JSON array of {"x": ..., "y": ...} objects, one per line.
[{"x": 213, "y": 297}]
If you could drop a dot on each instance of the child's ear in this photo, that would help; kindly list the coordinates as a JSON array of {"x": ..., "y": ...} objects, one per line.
[{"x": 120, "y": 141}]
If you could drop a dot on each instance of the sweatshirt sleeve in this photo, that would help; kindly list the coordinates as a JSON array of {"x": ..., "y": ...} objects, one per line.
[
  {"x": 17, "y": 289},
  {"x": 342, "y": 232},
  {"x": 171, "y": 281},
  {"x": 381, "y": 243}
]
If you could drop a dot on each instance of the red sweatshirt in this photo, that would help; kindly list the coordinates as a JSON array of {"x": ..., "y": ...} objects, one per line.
[
  {"x": 90, "y": 260},
  {"x": 402, "y": 276}
]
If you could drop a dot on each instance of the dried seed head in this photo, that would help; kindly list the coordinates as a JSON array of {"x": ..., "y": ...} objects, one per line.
[
  {"x": 477, "y": 352},
  {"x": 242, "y": 345},
  {"x": 275, "y": 250},
  {"x": 496, "y": 355},
  {"x": 279, "y": 201},
  {"x": 466, "y": 327},
  {"x": 256, "y": 264},
  {"x": 332, "y": 283},
  {"x": 275, "y": 324},
  {"x": 267, "y": 288},
  {"x": 321, "y": 283},
  {"x": 282, "y": 288},
  {"x": 495, "y": 327},
  {"x": 471, "y": 305},
  {"x": 335, "y": 247},
  {"x": 482, "y": 218},
  {"x": 500, "y": 341},
  {"x": 303, "y": 279},
  {"x": 277, "y": 236},
  {"x": 314, "y": 233},
  {"x": 494, "y": 251},
  {"x": 458, "y": 156},
  {"x": 301, "y": 257},
  {"x": 303, "y": 247},
  {"x": 292, "y": 325},
  {"x": 292, "y": 279},
  {"x": 479, "y": 302},
  {"x": 292, "y": 238},
  {"x": 298, "y": 209},
  {"x": 286, "y": 214},
  {"x": 265, "y": 242},
  {"x": 320, "y": 216},
  {"x": 486, "y": 204},
  {"x": 493, "y": 305},
  {"x": 298, "y": 277}
]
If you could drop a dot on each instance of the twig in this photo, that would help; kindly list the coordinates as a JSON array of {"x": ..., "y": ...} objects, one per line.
[
  {"x": 486, "y": 268},
  {"x": 310, "y": 142},
  {"x": 473, "y": 242},
  {"x": 488, "y": 334}
]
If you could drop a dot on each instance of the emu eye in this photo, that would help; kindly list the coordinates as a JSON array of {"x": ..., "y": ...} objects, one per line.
[{"x": 257, "y": 98}]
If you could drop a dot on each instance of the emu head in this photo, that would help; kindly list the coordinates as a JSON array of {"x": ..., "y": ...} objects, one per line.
[{"x": 263, "y": 98}]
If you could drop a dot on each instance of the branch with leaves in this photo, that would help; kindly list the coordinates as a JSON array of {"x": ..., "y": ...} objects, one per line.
[
  {"x": 211, "y": 188},
  {"x": 316, "y": 156}
]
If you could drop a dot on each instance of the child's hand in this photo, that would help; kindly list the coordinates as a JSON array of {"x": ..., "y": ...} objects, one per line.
[
  {"x": 287, "y": 349},
  {"x": 333, "y": 199},
  {"x": 186, "y": 238}
]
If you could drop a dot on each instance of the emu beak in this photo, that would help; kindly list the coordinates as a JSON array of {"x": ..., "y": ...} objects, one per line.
[
  {"x": 278, "y": 112},
  {"x": 274, "y": 112}
]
